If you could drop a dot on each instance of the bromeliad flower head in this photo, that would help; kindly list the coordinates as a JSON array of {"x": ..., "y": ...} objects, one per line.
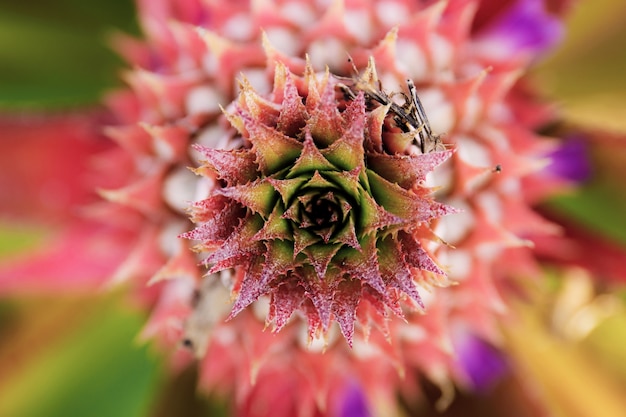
[
  {"x": 316, "y": 190},
  {"x": 324, "y": 207}
]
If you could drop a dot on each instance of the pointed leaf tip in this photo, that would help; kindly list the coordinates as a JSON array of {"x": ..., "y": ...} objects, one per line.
[
  {"x": 259, "y": 196},
  {"x": 274, "y": 150}
]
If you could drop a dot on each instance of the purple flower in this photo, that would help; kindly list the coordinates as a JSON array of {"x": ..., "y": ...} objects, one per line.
[
  {"x": 354, "y": 402},
  {"x": 525, "y": 26},
  {"x": 570, "y": 160},
  {"x": 482, "y": 363}
]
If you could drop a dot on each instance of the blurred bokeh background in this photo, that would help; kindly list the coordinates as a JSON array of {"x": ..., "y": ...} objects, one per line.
[{"x": 74, "y": 355}]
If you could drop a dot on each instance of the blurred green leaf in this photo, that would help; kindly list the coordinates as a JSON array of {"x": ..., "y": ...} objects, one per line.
[
  {"x": 14, "y": 239},
  {"x": 94, "y": 371},
  {"x": 54, "y": 53},
  {"x": 598, "y": 206}
]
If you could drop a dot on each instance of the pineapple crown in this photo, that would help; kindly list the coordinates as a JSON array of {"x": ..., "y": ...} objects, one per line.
[{"x": 324, "y": 208}]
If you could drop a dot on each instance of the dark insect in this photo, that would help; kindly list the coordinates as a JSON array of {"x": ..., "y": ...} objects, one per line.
[
  {"x": 410, "y": 117},
  {"x": 428, "y": 140}
]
